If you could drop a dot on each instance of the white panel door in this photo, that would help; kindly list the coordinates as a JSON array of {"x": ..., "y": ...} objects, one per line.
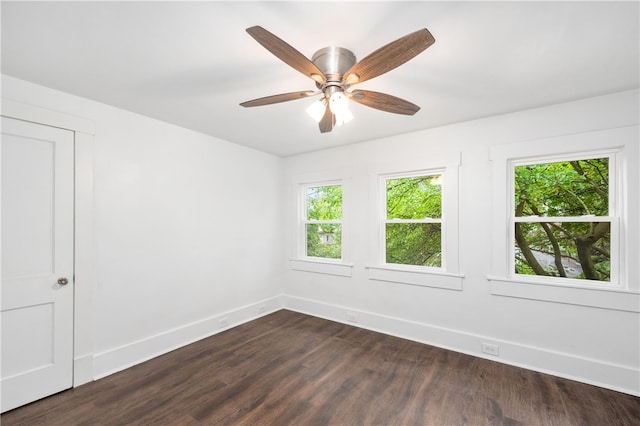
[{"x": 37, "y": 257}]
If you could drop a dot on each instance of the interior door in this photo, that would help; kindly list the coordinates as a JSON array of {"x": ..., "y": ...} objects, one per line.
[{"x": 37, "y": 262}]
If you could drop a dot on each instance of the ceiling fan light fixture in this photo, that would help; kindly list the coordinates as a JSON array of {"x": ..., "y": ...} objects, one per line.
[{"x": 316, "y": 110}]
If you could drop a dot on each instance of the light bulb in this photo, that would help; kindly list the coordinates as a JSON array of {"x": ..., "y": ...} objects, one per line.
[
  {"x": 316, "y": 110},
  {"x": 338, "y": 102},
  {"x": 339, "y": 106}
]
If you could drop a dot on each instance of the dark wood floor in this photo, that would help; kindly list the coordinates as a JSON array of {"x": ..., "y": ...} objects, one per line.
[{"x": 292, "y": 369}]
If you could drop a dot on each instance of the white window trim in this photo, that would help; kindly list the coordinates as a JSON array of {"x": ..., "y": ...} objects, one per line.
[
  {"x": 322, "y": 266},
  {"x": 448, "y": 275},
  {"x": 624, "y": 294},
  {"x": 299, "y": 261},
  {"x": 417, "y": 277}
]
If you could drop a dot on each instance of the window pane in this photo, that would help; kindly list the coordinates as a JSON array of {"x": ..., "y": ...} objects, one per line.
[
  {"x": 566, "y": 188},
  {"x": 570, "y": 249},
  {"x": 414, "y": 244},
  {"x": 324, "y": 202},
  {"x": 414, "y": 197},
  {"x": 324, "y": 240}
]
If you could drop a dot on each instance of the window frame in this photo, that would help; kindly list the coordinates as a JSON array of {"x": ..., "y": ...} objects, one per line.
[
  {"x": 385, "y": 220},
  {"x": 621, "y": 144},
  {"x": 612, "y": 217},
  {"x": 304, "y": 221}
]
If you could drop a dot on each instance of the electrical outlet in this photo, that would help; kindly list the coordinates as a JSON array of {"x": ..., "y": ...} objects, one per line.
[
  {"x": 262, "y": 309},
  {"x": 224, "y": 322},
  {"x": 351, "y": 317},
  {"x": 490, "y": 349}
]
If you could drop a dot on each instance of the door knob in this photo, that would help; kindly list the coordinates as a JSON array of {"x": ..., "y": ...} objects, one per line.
[{"x": 63, "y": 281}]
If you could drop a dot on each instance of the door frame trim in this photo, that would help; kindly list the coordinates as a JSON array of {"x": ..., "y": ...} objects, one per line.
[{"x": 84, "y": 246}]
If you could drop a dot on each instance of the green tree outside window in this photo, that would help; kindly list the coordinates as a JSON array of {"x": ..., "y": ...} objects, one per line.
[
  {"x": 413, "y": 225},
  {"x": 323, "y": 221}
]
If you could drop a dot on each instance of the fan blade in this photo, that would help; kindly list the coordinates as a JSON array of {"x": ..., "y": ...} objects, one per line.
[
  {"x": 384, "y": 102},
  {"x": 283, "y": 97},
  {"x": 389, "y": 57},
  {"x": 328, "y": 121},
  {"x": 286, "y": 53}
]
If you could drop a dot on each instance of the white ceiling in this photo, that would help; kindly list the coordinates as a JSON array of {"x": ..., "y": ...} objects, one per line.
[{"x": 192, "y": 63}]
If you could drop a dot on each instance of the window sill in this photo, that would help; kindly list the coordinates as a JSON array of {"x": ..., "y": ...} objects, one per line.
[
  {"x": 416, "y": 277},
  {"x": 322, "y": 267},
  {"x": 606, "y": 298}
]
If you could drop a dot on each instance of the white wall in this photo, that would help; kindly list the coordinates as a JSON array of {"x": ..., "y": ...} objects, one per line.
[
  {"x": 187, "y": 230},
  {"x": 595, "y": 345}
]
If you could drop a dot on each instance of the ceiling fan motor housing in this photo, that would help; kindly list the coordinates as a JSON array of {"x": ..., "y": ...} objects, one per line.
[{"x": 333, "y": 62}]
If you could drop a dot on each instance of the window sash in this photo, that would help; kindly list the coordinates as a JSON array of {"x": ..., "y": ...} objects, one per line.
[
  {"x": 542, "y": 219},
  {"x": 328, "y": 247},
  {"x": 312, "y": 221},
  {"x": 611, "y": 154},
  {"x": 425, "y": 220}
]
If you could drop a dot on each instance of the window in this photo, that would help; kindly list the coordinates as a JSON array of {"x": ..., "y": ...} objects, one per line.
[
  {"x": 565, "y": 224},
  {"x": 323, "y": 221},
  {"x": 563, "y": 218},
  {"x": 321, "y": 217},
  {"x": 413, "y": 220}
]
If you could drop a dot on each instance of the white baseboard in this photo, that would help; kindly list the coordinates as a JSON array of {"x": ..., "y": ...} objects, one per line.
[
  {"x": 82, "y": 369},
  {"x": 125, "y": 356},
  {"x": 595, "y": 372}
]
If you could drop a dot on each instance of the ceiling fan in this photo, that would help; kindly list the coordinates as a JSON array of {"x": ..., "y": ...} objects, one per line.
[{"x": 335, "y": 70}]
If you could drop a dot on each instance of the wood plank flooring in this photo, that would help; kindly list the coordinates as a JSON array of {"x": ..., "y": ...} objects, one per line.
[{"x": 292, "y": 369}]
